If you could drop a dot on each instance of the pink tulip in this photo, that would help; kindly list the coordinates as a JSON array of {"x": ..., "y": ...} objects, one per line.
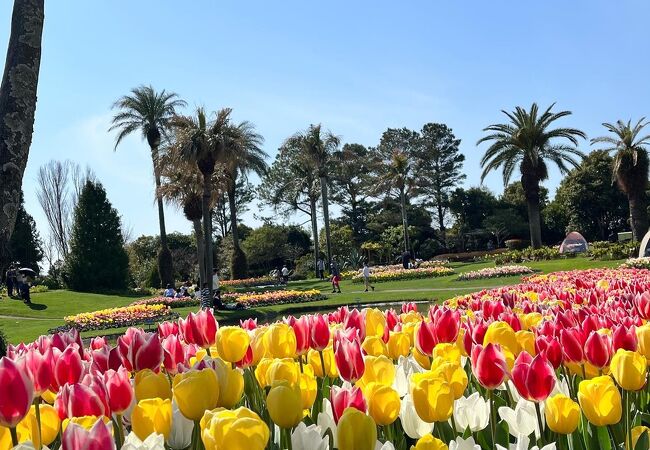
[
  {"x": 98, "y": 342},
  {"x": 392, "y": 319},
  {"x": 572, "y": 342},
  {"x": 425, "y": 337},
  {"x": 100, "y": 358},
  {"x": 39, "y": 368},
  {"x": 356, "y": 320},
  {"x": 119, "y": 389},
  {"x": 550, "y": 346},
  {"x": 77, "y": 400},
  {"x": 173, "y": 353},
  {"x": 625, "y": 338},
  {"x": 302, "y": 330},
  {"x": 248, "y": 324},
  {"x": 489, "y": 365},
  {"x": 534, "y": 378},
  {"x": 320, "y": 333},
  {"x": 447, "y": 325},
  {"x": 167, "y": 329},
  {"x": 342, "y": 398},
  {"x": 68, "y": 367},
  {"x": 16, "y": 351},
  {"x": 409, "y": 307},
  {"x": 140, "y": 350},
  {"x": 62, "y": 340},
  {"x": 199, "y": 328},
  {"x": 16, "y": 393},
  {"x": 598, "y": 349},
  {"x": 642, "y": 302},
  {"x": 348, "y": 357},
  {"x": 76, "y": 437}
]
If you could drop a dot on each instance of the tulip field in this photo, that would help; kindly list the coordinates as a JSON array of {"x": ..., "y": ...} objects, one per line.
[{"x": 558, "y": 361}]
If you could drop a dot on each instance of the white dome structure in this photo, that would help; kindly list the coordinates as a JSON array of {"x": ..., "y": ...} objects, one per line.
[
  {"x": 574, "y": 242},
  {"x": 643, "y": 248}
]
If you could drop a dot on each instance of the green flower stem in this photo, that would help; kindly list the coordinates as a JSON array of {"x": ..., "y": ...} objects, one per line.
[
  {"x": 37, "y": 410},
  {"x": 14, "y": 436},
  {"x": 538, "y": 412},
  {"x": 493, "y": 417}
]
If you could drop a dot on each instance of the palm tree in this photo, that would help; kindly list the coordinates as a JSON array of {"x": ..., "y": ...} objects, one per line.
[
  {"x": 148, "y": 112},
  {"x": 242, "y": 156},
  {"x": 17, "y": 109},
  {"x": 318, "y": 146},
  {"x": 630, "y": 168},
  {"x": 202, "y": 143},
  {"x": 526, "y": 142}
]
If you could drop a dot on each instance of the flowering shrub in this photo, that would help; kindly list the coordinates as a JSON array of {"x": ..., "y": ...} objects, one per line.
[
  {"x": 558, "y": 361},
  {"x": 180, "y": 302},
  {"x": 636, "y": 263},
  {"x": 419, "y": 264},
  {"x": 119, "y": 317},
  {"x": 404, "y": 274},
  {"x": 275, "y": 297},
  {"x": 495, "y": 272},
  {"x": 248, "y": 282}
]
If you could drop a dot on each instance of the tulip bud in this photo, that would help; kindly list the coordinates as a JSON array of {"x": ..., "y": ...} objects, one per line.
[
  {"x": 600, "y": 401},
  {"x": 428, "y": 442},
  {"x": 572, "y": 342},
  {"x": 284, "y": 403},
  {"x": 302, "y": 330},
  {"x": 76, "y": 437},
  {"x": 320, "y": 333},
  {"x": 344, "y": 398},
  {"x": 383, "y": 403},
  {"x": 349, "y": 358},
  {"x": 238, "y": 429},
  {"x": 149, "y": 384},
  {"x": 232, "y": 343},
  {"x": 16, "y": 392},
  {"x": 375, "y": 322},
  {"x": 425, "y": 337},
  {"x": 196, "y": 391},
  {"x": 199, "y": 328},
  {"x": 501, "y": 333},
  {"x": 118, "y": 387},
  {"x": 489, "y": 365},
  {"x": 173, "y": 353},
  {"x": 598, "y": 349},
  {"x": 356, "y": 431},
  {"x": 280, "y": 341},
  {"x": 433, "y": 397},
  {"x": 152, "y": 415},
  {"x": 398, "y": 345},
  {"x": 562, "y": 414},
  {"x": 68, "y": 367},
  {"x": 629, "y": 370},
  {"x": 374, "y": 346},
  {"x": 625, "y": 338},
  {"x": 77, "y": 400},
  {"x": 643, "y": 338},
  {"x": 534, "y": 378},
  {"x": 140, "y": 350}
]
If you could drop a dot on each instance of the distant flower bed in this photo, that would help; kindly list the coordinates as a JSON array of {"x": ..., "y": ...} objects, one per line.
[
  {"x": 405, "y": 274},
  {"x": 120, "y": 317},
  {"x": 495, "y": 272},
  {"x": 636, "y": 263},
  {"x": 248, "y": 282},
  {"x": 419, "y": 264},
  {"x": 180, "y": 302},
  {"x": 274, "y": 297}
]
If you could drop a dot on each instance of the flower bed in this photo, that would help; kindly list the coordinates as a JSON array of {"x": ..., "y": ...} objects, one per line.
[
  {"x": 405, "y": 274},
  {"x": 275, "y": 297},
  {"x": 120, "y": 317},
  {"x": 636, "y": 263},
  {"x": 557, "y": 361},
  {"x": 495, "y": 272},
  {"x": 419, "y": 264},
  {"x": 180, "y": 302},
  {"x": 248, "y": 282}
]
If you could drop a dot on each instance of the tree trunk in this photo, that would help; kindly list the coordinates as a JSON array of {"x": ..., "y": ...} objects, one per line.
[
  {"x": 638, "y": 215},
  {"x": 200, "y": 253},
  {"x": 207, "y": 228},
  {"x": 326, "y": 218},
  {"x": 441, "y": 223},
  {"x": 314, "y": 230},
  {"x": 165, "y": 262},
  {"x": 535, "y": 223},
  {"x": 405, "y": 224},
  {"x": 238, "y": 264},
  {"x": 17, "y": 109}
]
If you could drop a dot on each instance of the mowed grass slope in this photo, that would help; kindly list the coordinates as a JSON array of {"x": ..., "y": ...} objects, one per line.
[{"x": 24, "y": 323}]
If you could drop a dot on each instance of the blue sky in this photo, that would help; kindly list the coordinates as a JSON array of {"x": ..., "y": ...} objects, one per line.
[{"x": 357, "y": 67}]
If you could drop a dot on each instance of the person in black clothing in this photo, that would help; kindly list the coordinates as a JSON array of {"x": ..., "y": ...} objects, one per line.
[{"x": 11, "y": 280}]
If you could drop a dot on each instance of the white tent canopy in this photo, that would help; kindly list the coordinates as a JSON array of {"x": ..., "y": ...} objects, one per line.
[
  {"x": 574, "y": 242},
  {"x": 643, "y": 248}
]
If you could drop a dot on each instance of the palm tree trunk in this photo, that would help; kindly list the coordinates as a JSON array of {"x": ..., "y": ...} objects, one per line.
[
  {"x": 638, "y": 215},
  {"x": 200, "y": 253},
  {"x": 314, "y": 230},
  {"x": 405, "y": 224},
  {"x": 207, "y": 228},
  {"x": 326, "y": 218},
  {"x": 535, "y": 223},
  {"x": 165, "y": 262},
  {"x": 17, "y": 109},
  {"x": 238, "y": 264}
]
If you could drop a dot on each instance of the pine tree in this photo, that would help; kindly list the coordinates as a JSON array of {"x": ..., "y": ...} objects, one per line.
[
  {"x": 97, "y": 260},
  {"x": 25, "y": 244}
]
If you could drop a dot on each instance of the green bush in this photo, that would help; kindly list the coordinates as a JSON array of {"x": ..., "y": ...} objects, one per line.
[
  {"x": 528, "y": 254},
  {"x": 468, "y": 256},
  {"x": 613, "y": 250}
]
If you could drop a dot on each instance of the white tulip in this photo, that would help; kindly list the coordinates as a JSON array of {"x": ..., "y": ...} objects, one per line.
[
  {"x": 405, "y": 367},
  {"x": 472, "y": 412},
  {"x": 561, "y": 387},
  {"x": 27, "y": 445},
  {"x": 464, "y": 444},
  {"x": 414, "y": 427},
  {"x": 152, "y": 442},
  {"x": 180, "y": 436},
  {"x": 522, "y": 444},
  {"x": 325, "y": 421},
  {"x": 386, "y": 446},
  {"x": 308, "y": 438},
  {"x": 522, "y": 421}
]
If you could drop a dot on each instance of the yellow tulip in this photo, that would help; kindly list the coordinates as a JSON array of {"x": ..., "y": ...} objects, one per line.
[
  {"x": 562, "y": 414},
  {"x": 283, "y": 370},
  {"x": 240, "y": 429},
  {"x": 308, "y": 389},
  {"x": 423, "y": 360},
  {"x": 409, "y": 329},
  {"x": 5, "y": 438},
  {"x": 637, "y": 432},
  {"x": 195, "y": 392},
  {"x": 375, "y": 322},
  {"x": 460, "y": 342},
  {"x": 501, "y": 333},
  {"x": 379, "y": 369},
  {"x": 452, "y": 373},
  {"x": 261, "y": 369},
  {"x": 87, "y": 422},
  {"x": 428, "y": 442},
  {"x": 643, "y": 336},
  {"x": 50, "y": 425},
  {"x": 576, "y": 369},
  {"x": 526, "y": 341},
  {"x": 257, "y": 345},
  {"x": 398, "y": 345},
  {"x": 530, "y": 320},
  {"x": 410, "y": 317},
  {"x": 328, "y": 358},
  {"x": 280, "y": 341},
  {"x": 48, "y": 397},
  {"x": 383, "y": 403},
  {"x": 374, "y": 346},
  {"x": 149, "y": 384},
  {"x": 356, "y": 431},
  {"x": 284, "y": 403},
  {"x": 152, "y": 415},
  {"x": 232, "y": 343},
  {"x": 231, "y": 384},
  {"x": 628, "y": 369},
  {"x": 449, "y": 352},
  {"x": 433, "y": 397},
  {"x": 600, "y": 401}
]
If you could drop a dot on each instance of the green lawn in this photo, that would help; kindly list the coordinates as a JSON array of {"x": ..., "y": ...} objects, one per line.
[{"x": 49, "y": 308}]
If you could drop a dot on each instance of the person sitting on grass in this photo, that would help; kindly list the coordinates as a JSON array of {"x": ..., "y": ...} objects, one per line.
[
  {"x": 366, "y": 277},
  {"x": 169, "y": 292}
]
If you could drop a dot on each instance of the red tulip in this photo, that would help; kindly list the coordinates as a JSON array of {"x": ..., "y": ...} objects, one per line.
[
  {"x": 342, "y": 398},
  {"x": 572, "y": 342},
  {"x": 16, "y": 351},
  {"x": 446, "y": 326},
  {"x": 534, "y": 378},
  {"x": 167, "y": 329},
  {"x": 301, "y": 328},
  {"x": 76, "y": 437},
  {"x": 425, "y": 337},
  {"x": 348, "y": 357},
  {"x": 642, "y": 302},
  {"x": 42, "y": 343},
  {"x": 392, "y": 319},
  {"x": 100, "y": 359},
  {"x": 550, "y": 346},
  {"x": 16, "y": 393},
  {"x": 598, "y": 349},
  {"x": 320, "y": 333},
  {"x": 173, "y": 353},
  {"x": 247, "y": 360},
  {"x": 409, "y": 307},
  {"x": 39, "y": 368},
  {"x": 62, "y": 340},
  {"x": 199, "y": 328},
  {"x": 98, "y": 342},
  {"x": 68, "y": 367},
  {"x": 625, "y": 338},
  {"x": 248, "y": 324},
  {"x": 140, "y": 350},
  {"x": 119, "y": 389},
  {"x": 77, "y": 400},
  {"x": 489, "y": 365},
  {"x": 357, "y": 321}
]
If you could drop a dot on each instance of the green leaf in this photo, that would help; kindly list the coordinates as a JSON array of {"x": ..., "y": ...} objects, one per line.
[{"x": 604, "y": 442}]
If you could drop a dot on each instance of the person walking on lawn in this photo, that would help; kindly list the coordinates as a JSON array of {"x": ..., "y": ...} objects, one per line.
[
  {"x": 336, "y": 277},
  {"x": 366, "y": 277}
]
